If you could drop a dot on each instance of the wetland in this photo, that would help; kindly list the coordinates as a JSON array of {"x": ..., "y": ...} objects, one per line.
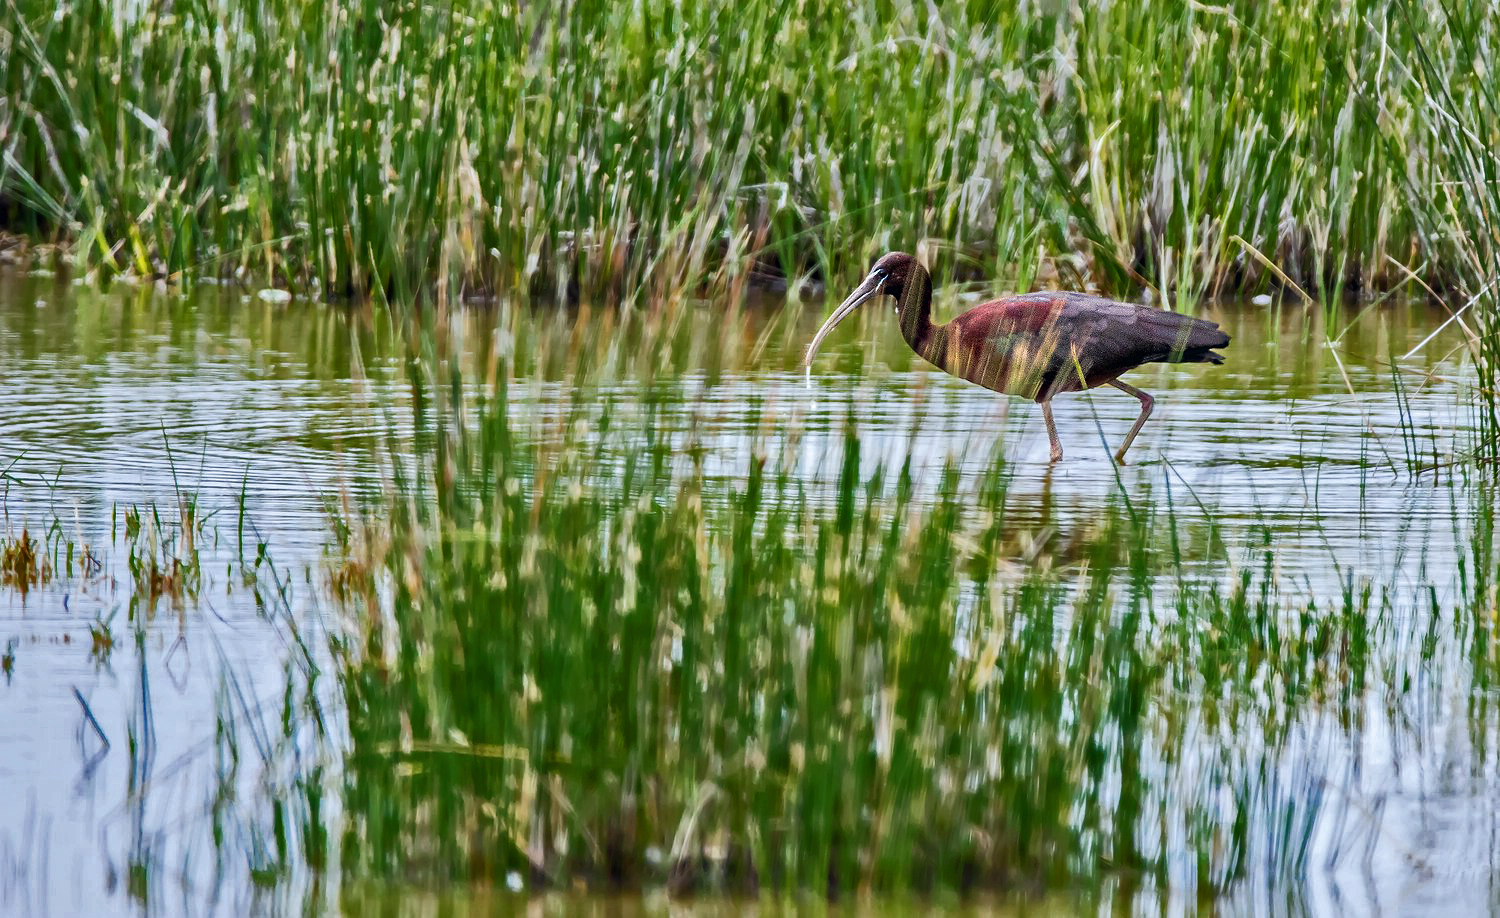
[{"x": 411, "y": 500}]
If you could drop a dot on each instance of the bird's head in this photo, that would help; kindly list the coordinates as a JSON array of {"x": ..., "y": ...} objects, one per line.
[{"x": 887, "y": 276}]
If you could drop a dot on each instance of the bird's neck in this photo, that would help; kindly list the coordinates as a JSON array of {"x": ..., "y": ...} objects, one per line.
[{"x": 915, "y": 311}]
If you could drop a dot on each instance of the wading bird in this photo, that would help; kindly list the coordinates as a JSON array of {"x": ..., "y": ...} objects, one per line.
[{"x": 1035, "y": 344}]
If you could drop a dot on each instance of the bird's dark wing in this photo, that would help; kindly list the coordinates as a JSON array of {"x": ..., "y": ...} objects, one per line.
[{"x": 1040, "y": 343}]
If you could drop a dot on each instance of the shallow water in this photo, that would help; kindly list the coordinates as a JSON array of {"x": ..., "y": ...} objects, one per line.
[{"x": 1335, "y": 451}]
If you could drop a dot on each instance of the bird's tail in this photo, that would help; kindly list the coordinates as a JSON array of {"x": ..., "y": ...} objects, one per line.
[{"x": 1196, "y": 340}]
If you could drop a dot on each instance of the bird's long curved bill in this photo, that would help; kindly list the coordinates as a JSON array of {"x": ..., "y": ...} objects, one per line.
[{"x": 870, "y": 288}]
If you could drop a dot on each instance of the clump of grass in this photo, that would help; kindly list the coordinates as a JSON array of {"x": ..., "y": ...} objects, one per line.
[
  {"x": 101, "y": 641},
  {"x": 22, "y": 564},
  {"x": 162, "y": 557}
]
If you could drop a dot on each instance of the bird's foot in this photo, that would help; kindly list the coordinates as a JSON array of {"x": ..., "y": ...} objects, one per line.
[
  {"x": 1056, "y": 456},
  {"x": 1120, "y": 459}
]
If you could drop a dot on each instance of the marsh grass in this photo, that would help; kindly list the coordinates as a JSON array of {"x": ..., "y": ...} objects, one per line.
[
  {"x": 643, "y": 150},
  {"x": 1459, "y": 113}
]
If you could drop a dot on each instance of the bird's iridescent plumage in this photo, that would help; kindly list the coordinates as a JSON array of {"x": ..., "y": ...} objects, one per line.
[{"x": 1035, "y": 345}]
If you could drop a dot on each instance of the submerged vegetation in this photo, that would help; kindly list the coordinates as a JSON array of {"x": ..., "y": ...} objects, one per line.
[{"x": 226, "y": 815}]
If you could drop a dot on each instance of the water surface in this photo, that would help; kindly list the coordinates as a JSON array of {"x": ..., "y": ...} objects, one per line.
[{"x": 1321, "y": 435}]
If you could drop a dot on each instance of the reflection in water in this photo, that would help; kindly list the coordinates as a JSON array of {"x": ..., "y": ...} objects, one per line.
[{"x": 260, "y": 412}]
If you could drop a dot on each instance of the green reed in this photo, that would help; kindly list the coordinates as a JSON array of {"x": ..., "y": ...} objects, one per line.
[
  {"x": 646, "y": 149},
  {"x": 1459, "y": 207}
]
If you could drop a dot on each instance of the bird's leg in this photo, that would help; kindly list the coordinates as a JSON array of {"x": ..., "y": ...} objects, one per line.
[
  {"x": 1051, "y": 429},
  {"x": 1146, "y": 403}
]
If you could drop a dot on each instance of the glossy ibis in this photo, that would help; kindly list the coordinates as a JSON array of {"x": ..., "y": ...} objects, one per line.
[{"x": 1035, "y": 344}]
